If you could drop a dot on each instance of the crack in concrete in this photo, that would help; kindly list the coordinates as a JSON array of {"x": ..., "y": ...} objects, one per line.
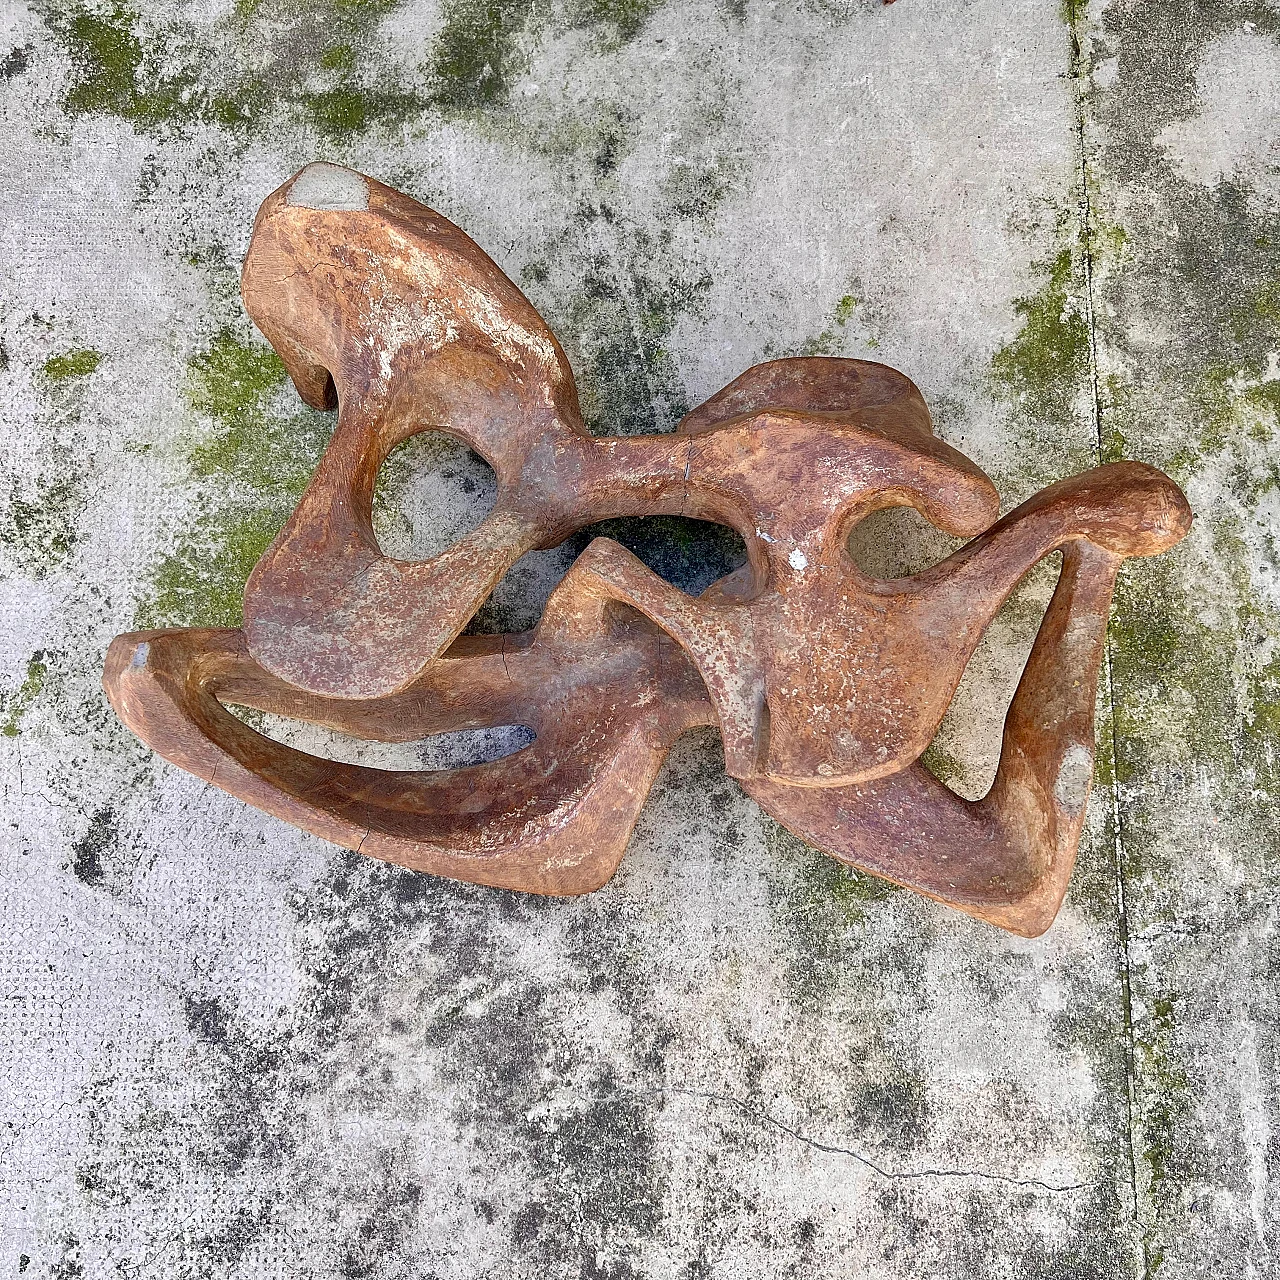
[
  {"x": 890, "y": 1175},
  {"x": 1077, "y": 72}
]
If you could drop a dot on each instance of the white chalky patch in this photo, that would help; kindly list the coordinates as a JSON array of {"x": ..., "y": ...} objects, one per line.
[
  {"x": 798, "y": 561},
  {"x": 1074, "y": 776},
  {"x": 140, "y": 654},
  {"x": 512, "y": 341},
  {"x": 329, "y": 186}
]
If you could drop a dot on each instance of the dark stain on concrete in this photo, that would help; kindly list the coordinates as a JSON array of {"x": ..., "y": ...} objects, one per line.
[
  {"x": 15, "y": 62},
  {"x": 476, "y": 55},
  {"x": 88, "y": 851}
]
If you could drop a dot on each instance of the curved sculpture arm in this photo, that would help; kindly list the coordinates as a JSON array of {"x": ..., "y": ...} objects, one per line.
[
  {"x": 555, "y": 817},
  {"x": 831, "y": 679},
  {"x": 1006, "y": 858},
  {"x": 416, "y": 329}
]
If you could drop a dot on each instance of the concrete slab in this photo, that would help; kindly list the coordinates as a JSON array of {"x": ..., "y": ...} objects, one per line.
[{"x": 236, "y": 1051}]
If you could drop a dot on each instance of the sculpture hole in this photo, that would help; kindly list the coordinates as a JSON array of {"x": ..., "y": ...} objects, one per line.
[
  {"x": 690, "y": 554},
  {"x": 459, "y": 749},
  {"x": 965, "y": 752},
  {"x": 896, "y": 542},
  {"x": 431, "y": 491}
]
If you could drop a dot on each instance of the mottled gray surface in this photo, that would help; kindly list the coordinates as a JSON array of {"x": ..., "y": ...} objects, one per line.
[{"x": 232, "y": 1050}]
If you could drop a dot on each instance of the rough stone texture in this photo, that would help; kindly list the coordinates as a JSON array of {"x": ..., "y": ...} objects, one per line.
[{"x": 235, "y": 1051}]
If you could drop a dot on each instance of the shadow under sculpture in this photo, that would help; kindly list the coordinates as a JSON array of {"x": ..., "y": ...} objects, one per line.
[{"x": 826, "y": 685}]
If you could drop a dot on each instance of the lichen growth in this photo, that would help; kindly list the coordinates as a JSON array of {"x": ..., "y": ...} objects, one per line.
[
  {"x": 831, "y": 340},
  {"x": 72, "y": 364},
  {"x": 233, "y": 383},
  {"x": 482, "y": 46},
  {"x": 39, "y": 525},
  {"x": 112, "y": 72},
  {"x": 201, "y": 583},
  {"x": 836, "y": 335},
  {"x": 15, "y": 705},
  {"x": 350, "y": 109},
  {"x": 87, "y": 853},
  {"x": 617, "y": 21},
  {"x": 623, "y": 314},
  {"x": 1072, "y": 11},
  {"x": 238, "y": 71},
  {"x": 1165, "y": 1104},
  {"x": 694, "y": 190},
  {"x": 1238, "y": 410},
  {"x": 234, "y": 1096},
  {"x": 41, "y": 529},
  {"x": 823, "y": 907},
  {"x": 1187, "y": 324},
  {"x": 942, "y": 764}
]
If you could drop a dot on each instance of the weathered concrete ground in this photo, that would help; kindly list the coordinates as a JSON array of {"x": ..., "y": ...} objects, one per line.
[{"x": 231, "y": 1050}]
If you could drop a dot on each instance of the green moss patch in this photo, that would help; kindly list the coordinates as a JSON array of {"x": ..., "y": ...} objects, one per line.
[
  {"x": 233, "y": 383},
  {"x": 1047, "y": 363},
  {"x": 235, "y": 71},
  {"x": 112, "y": 72},
  {"x": 616, "y": 20},
  {"x": 252, "y": 467},
  {"x": 477, "y": 55},
  {"x": 835, "y": 335}
]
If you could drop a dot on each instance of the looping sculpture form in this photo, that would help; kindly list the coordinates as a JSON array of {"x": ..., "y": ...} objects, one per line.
[{"x": 826, "y": 685}]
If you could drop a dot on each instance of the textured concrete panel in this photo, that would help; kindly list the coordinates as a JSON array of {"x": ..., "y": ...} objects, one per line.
[{"x": 232, "y": 1050}]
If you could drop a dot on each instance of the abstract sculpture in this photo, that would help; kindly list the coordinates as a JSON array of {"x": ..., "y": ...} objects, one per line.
[{"x": 826, "y": 685}]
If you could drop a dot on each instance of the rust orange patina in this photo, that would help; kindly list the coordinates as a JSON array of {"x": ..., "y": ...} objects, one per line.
[{"x": 826, "y": 685}]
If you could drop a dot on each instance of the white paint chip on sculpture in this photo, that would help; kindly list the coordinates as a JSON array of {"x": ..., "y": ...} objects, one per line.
[
  {"x": 329, "y": 186},
  {"x": 1074, "y": 775}
]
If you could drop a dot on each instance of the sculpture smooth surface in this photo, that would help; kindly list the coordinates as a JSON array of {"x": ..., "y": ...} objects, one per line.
[{"x": 826, "y": 685}]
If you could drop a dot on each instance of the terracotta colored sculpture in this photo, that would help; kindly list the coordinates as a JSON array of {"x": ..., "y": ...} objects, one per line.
[{"x": 826, "y": 685}]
